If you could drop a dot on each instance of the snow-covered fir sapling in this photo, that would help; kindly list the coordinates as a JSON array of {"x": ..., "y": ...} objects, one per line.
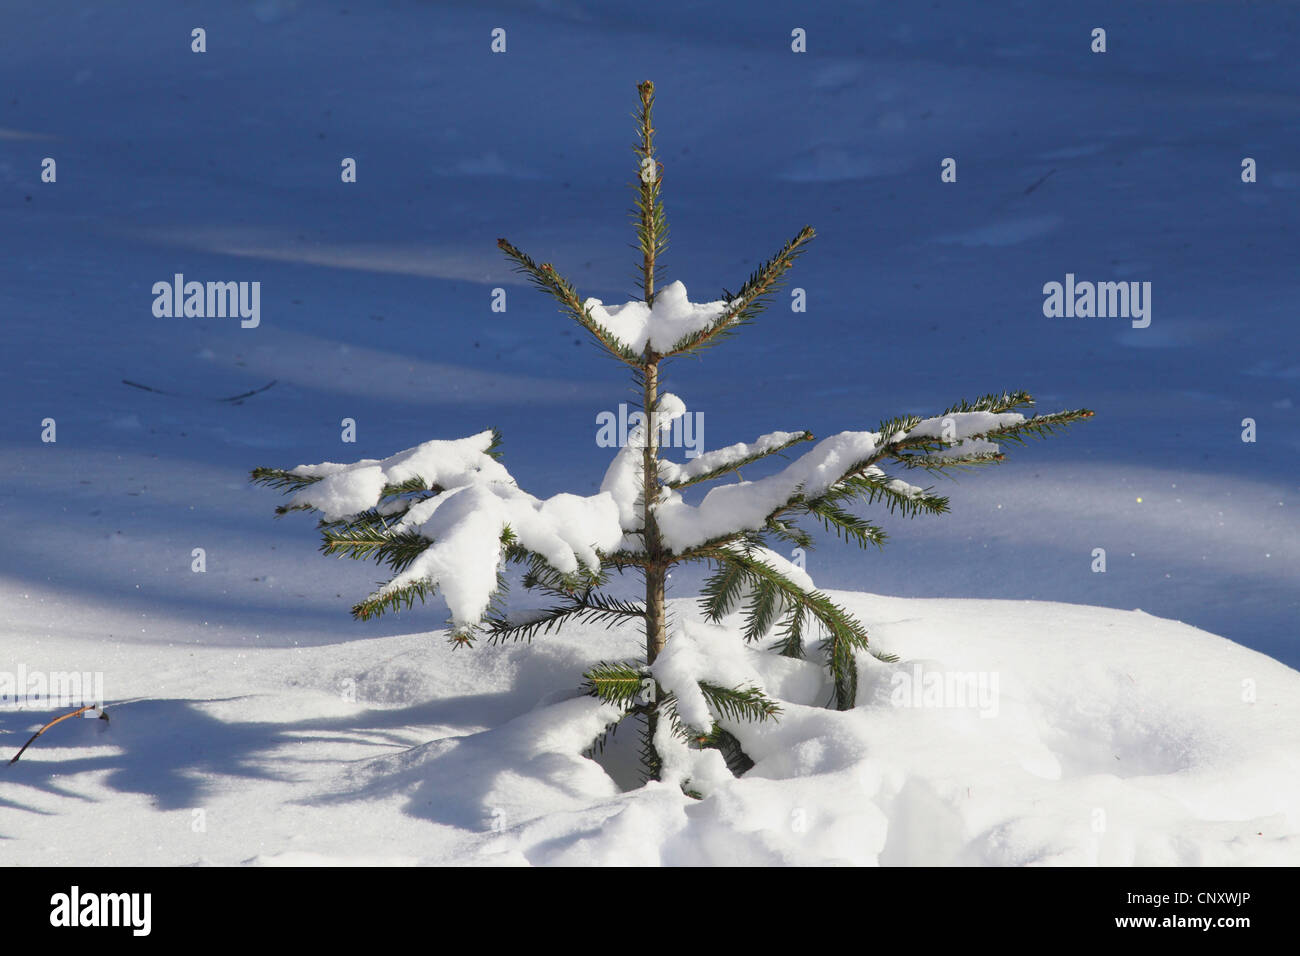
[{"x": 447, "y": 516}]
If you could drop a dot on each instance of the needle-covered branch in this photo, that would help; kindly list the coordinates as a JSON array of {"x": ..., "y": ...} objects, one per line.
[
  {"x": 750, "y": 300},
  {"x": 394, "y": 599},
  {"x": 774, "y": 594},
  {"x": 616, "y": 682},
  {"x": 845, "y": 467},
  {"x": 586, "y": 608},
  {"x": 648, "y": 213},
  {"x": 280, "y": 479},
  {"x": 548, "y": 280},
  {"x": 739, "y": 704},
  {"x": 395, "y": 549}
]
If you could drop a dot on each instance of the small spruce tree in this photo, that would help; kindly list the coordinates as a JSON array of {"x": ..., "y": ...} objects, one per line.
[{"x": 446, "y": 515}]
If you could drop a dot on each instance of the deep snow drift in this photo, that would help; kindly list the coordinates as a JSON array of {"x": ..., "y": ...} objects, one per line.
[{"x": 1066, "y": 735}]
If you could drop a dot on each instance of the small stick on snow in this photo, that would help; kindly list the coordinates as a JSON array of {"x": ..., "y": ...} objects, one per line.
[{"x": 103, "y": 715}]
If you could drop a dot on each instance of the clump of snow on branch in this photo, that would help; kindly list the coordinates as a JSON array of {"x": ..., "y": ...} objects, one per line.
[
  {"x": 778, "y": 563},
  {"x": 623, "y": 479},
  {"x": 479, "y": 501},
  {"x": 662, "y": 325},
  {"x": 966, "y": 448},
  {"x": 345, "y": 491},
  {"x": 782, "y": 566},
  {"x": 745, "y": 505},
  {"x": 698, "y": 653},
  {"x": 705, "y": 770},
  {"x": 673, "y": 473},
  {"x": 466, "y": 524},
  {"x": 964, "y": 424}
]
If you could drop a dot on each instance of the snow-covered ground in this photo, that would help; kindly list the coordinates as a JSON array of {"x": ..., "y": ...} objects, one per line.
[
  {"x": 1120, "y": 737},
  {"x": 1088, "y": 736}
]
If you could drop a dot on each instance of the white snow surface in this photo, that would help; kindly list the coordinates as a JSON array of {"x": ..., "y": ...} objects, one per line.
[{"x": 401, "y": 750}]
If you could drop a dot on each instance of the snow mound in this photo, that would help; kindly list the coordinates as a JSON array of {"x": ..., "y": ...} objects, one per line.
[
  {"x": 1008, "y": 733},
  {"x": 671, "y": 317}
]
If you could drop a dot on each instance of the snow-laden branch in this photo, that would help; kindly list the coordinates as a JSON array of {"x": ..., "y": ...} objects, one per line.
[
  {"x": 623, "y": 479},
  {"x": 700, "y": 656},
  {"x": 466, "y": 526},
  {"x": 344, "y": 491},
  {"x": 748, "y": 505},
  {"x": 635, "y": 324},
  {"x": 713, "y": 464},
  {"x": 465, "y": 523},
  {"x": 468, "y": 509}
]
